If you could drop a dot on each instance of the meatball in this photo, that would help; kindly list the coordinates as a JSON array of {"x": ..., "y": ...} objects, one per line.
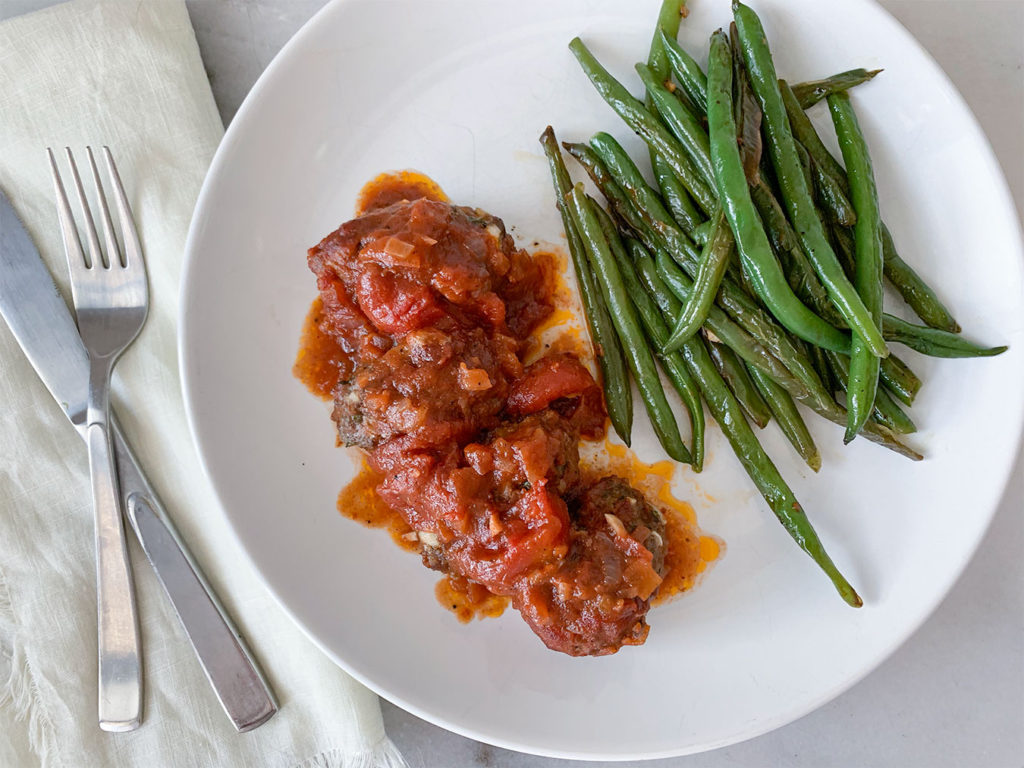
[
  {"x": 431, "y": 303},
  {"x": 596, "y": 599}
]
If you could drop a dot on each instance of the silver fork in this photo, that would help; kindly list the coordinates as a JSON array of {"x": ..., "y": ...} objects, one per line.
[{"x": 111, "y": 300}]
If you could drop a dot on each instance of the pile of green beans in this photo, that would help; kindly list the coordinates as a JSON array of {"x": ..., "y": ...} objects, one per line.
[{"x": 752, "y": 280}]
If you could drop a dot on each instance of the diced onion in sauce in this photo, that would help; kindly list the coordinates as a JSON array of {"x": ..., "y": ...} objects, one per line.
[
  {"x": 398, "y": 248},
  {"x": 616, "y": 525},
  {"x": 473, "y": 379}
]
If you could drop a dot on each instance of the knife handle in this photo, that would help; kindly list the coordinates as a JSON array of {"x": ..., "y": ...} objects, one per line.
[{"x": 226, "y": 660}]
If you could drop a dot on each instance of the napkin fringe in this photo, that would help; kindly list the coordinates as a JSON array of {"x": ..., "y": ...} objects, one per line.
[
  {"x": 384, "y": 755},
  {"x": 19, "y": 690}
]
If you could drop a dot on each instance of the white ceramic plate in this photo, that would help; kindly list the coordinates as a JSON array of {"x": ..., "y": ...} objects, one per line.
[{"x": 460, "y": 90}]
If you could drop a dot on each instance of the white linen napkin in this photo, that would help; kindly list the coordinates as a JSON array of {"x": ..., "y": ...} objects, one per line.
[{"x": 129, "y": 75}]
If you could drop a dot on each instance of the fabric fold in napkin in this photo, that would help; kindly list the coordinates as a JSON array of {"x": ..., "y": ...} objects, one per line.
[{"x": 128, "y": 75}]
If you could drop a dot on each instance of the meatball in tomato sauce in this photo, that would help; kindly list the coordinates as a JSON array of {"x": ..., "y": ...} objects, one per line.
[{"x": 431, "y": 305}]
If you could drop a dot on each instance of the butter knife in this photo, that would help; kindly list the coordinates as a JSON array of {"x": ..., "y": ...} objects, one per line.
[{"x": 40, "y": 321}]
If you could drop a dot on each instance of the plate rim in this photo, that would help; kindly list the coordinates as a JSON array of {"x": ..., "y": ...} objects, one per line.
[{"x": 1001, "y": 191}]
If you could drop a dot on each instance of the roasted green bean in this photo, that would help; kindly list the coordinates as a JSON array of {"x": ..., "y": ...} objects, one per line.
[
  {"x": 657, "y": 333},
  {"x": 623, "y": 313},
  {"x": 918, "y": 295},
  {"x": 605, "y": 341},
  {"x": 795, "y": 194},
  {"x": 804, "y": 385},
  {"x": 713, "y": 261},
  {"x": 759, "y": 261},
  {"x": 677, "y": 199},
  {"x": 788, "y": 417},
  {"x": 759, "y": 467},
  {"x": 683, "y": 124},
  {"x": 863, "y": 382},
  {"x": 646, "y": 125},
  {"x": 884, "y": 409},
  {"x": 902, "y": 382},
  {"x": 673, "y": 289},
  {"x": 735, "y": 374},
  {"x": 688, "y": 72},
  {"x": 932, "y": 341},
  {"x": 810, "y": 93}
]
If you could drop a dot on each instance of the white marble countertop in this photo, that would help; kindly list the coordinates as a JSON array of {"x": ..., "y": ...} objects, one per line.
[{"x": 953, "y": 695}]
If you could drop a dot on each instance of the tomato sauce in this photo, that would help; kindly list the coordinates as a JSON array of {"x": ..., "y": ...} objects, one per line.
[
  {"x": 390, "y": 188},
  {"x": 447, "y": 362},
  {"x": 360, "y": 501},
  {"x": 320, "y": 361},
  {"x": 469, "y": 600},
  {"x": 689, "y": 550}
]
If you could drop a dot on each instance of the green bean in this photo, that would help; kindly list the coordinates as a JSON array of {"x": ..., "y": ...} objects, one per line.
[
  {"x": 713, "y": 261},
  {"x": 812, "y": 391},
  {"x": 667, "y": 26},
  {"x": 795, "y": 194},
  {"x": 657, "y": 332},
  {"x": 676, "y": 198},
  {"x": 805, "y": 166},
  {"x": 810, "y": 93},
  {"x": 648, "y": 127},
  {"x": 894, "y": 373},
  {"x": 798, "y": 270},
  {"x": 746, "y": 113},
  {"x": 902, "y": 382},
  {"x": 683, "y": 98},
  {"x": 914, "y": 290},
  {"x": 667, "y": 298},
  {"x": 759, "y": 324},
  {"x": 670, "y": 287},
  {"x": 623, "y": 314},
  {"x": 808, "y": 388},
  {"x": 780, "y": 233},
  {"x": 604, "y": 181},
  {"x": 740, "y": 384},
  {"x": 687, "y": 71},
  {"x": 755, "y": 251},
  {"x": 845, "y": 249},
  {"x": 729, "y": 415},
  {"x": 831, "y": 195},
  {"x": 645, "y": 215},
  {"x": 683, "y": 124},
  {"x": 637, "y": 203},
  {"x": 604, "y": 339},
  {"x": 641, "y": 197},
  {"x": 888, "y": 412},
  {"x": 918, "y": 295},
  {"x": 788, "y": 417},
  {"x": 702, "y": 234},
  {"x": 883, "y": 410},
  {"x": 819, "y": 360},
  {"x": 864, "y": 366},
  {"x": 820, "y": 401},
  {"x": 932, "y": 341},
  {"x": 759, "y": 467}
]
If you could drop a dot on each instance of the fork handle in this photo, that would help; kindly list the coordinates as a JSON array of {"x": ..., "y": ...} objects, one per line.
[{"x": 120, "y": 669}]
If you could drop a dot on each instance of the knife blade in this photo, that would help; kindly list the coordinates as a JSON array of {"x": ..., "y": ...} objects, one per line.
[
  {"x": 41, "y": 323},
  {"x": 39, "y": 319}
]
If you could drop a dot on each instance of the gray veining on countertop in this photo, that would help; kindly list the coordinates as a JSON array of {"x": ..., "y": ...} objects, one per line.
[{"x": 953, "y": 695}]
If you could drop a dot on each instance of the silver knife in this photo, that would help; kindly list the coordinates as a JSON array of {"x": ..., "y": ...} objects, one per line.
[{"x": 42, "y": 324}]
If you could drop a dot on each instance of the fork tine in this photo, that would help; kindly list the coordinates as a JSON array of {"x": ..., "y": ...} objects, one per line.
[
  {"x": 105, "y": 221},
  {"x": 95, "y": 252},
  {"x": 129, "y": 235},
  {"x": 72, "y": 247}
]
